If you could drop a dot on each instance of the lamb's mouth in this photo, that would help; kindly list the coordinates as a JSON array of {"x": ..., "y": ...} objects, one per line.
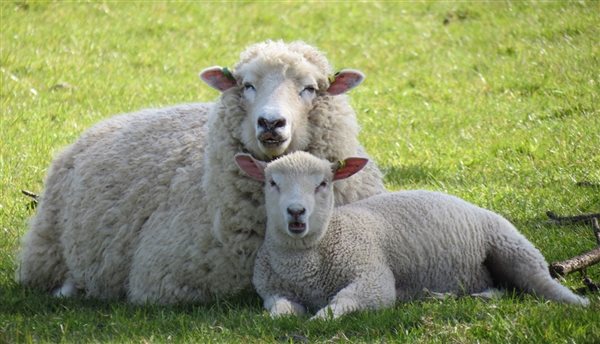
[{"x": 297, "y": 227}]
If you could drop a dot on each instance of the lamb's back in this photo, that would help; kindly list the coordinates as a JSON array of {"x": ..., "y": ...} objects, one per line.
[{"x": 429, "y": 239}]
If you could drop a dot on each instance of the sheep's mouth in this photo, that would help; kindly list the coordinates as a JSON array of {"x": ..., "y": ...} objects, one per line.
[
  {"x": 296, "y": 227},
  {"x": 270, "y": 139},
  {"x": 272, "y": 143}
]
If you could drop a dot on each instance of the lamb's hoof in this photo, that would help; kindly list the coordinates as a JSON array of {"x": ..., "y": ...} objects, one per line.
[
  {"x": 283, "y": 307},
  {"x": 324, "y": 314}
]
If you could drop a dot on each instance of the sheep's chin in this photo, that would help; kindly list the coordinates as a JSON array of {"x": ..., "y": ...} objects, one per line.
[{"x": 274, "y": 150}]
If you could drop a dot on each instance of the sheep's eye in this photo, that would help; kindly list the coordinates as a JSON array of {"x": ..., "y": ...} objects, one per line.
[
  {"x": 322, "y": 185},
  {"x": 272, "y": 183},
  {"x": 248, "y": 86},
  {"x": 309, "y": 90}
]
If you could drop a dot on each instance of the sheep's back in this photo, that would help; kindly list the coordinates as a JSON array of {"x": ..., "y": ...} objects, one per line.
[{"x": 118, "y": 173}]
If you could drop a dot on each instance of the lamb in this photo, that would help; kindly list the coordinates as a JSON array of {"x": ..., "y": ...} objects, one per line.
[
  {"x": 391, "y": 246},
  {"x": 147, "y": 206}
]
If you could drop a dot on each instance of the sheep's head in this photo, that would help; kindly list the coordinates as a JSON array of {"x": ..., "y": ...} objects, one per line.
[
  {"x": 298, "y": 192},
  {"x": 280, "y": 84}
]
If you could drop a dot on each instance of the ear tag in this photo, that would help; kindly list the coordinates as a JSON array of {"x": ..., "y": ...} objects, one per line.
[
  {"x": 332, "y": 77},
  {"x": 227, "y": 73}
]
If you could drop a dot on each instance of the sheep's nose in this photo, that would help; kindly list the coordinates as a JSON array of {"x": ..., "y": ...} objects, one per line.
[
  {"x": 296, "y": 211},
  {"x": 267, "y": 124}
]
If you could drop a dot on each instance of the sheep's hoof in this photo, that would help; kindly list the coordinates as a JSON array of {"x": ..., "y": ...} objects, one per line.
[
  {"x": 489, "y": 294},
  {"x": 437, "y": 296},
  {"x": 68, "y": 289}
]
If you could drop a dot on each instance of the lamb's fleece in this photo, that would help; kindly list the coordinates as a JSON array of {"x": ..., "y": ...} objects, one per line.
[
  {"x": 392, "y": 246},
  {"x": 148, "y": 205}
]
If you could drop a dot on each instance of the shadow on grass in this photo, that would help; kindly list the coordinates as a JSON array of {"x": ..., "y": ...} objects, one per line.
[{"x": 28, "y": 302}]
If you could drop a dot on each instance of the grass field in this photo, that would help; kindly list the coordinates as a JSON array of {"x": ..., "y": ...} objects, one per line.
[{"x": 495, "y": 102}]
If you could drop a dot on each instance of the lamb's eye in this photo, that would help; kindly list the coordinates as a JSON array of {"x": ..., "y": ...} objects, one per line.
[
  {"x": 322, "y": 185},
  {"x": 248, "y": 86},
  {"x": 272, "y": 183}
]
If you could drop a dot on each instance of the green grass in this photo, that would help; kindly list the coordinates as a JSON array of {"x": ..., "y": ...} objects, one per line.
[{"x": 496, "y": 102}]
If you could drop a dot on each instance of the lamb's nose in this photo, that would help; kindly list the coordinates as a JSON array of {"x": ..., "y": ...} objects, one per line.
[
  {"x": 296, "y": 211},
  {"x": 270, "y": 124}
]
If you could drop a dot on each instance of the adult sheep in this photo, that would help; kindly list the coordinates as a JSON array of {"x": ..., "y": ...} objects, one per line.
[
  {"x": 368, "y": 254},
  {"x": 148, "y": 205}
]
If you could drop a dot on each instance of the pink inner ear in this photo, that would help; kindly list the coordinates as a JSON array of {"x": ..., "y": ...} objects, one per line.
[
  {"x": 254, "y": 169},
  {"x": 345, "y": 81},
  {"x": 351, "y": 166},
  {"x": 216, "y": 79}
]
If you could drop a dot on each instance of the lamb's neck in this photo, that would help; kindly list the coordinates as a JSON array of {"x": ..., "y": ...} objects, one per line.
[{"x": 276, "y": 239}]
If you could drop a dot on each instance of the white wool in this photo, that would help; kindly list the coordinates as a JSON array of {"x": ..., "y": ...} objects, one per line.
[
  {"x": 391, "y": 246},
  {"x": 149, "y": 206}
]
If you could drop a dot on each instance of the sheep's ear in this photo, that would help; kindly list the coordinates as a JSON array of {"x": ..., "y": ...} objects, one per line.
[
  {"x": 346, "y": 168},
  {"x": 255, "y": 169},
  {"x": 344, "y": 81},
  {"x": 218, "y": 78}
]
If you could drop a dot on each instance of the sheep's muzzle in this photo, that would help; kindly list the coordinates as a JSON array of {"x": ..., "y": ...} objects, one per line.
[{"x": 296, "y": 227}]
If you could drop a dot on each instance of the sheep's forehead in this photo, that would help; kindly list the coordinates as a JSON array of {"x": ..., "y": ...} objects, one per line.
[
  {"x": 296, "y": 56},
  {"x": 258, "y": 70}
]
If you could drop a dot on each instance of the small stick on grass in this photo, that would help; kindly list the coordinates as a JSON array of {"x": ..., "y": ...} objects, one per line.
[
  {"x": 576, "y": 263},
  {"x": 596, "y": 228},
  {"x": 572, "y": 219},
  {"x": 593, "y": 287},
  {"x": 34, "y": 199},
  {"x": 30, "y": 194}
]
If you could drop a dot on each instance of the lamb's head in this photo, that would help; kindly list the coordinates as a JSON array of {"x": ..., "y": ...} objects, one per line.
[
  {"x": 280, "y": 83},
  {"x": 298, "y": 193}
]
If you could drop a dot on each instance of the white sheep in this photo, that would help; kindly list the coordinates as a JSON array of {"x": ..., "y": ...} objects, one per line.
[
  {"x": 391, "y": 246},
  {"x": 148, "y": 205}
]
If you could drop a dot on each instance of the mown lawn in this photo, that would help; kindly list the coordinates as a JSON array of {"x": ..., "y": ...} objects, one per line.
[{"x": 495, "y": 102}]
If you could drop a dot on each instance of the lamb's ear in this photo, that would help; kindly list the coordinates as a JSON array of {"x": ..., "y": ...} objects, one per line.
[
  {"x": 218, "y": 78},
  {"x": 346, "y": 168},
  {"x": 255, "y": 169},
  {"x": 344, "y": 81}
]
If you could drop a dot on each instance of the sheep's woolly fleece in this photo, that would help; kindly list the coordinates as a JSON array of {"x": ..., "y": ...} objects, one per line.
[
  {"x": 392, "y": 246},
  {"x": 150, "y": 206}
]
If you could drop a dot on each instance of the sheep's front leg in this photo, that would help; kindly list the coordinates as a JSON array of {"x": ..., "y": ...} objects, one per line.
[
  {"x": 371, "y": 291},
  {"x": 280, "y": 306}
]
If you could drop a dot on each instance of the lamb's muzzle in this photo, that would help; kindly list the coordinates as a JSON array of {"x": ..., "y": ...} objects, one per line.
[{"x": 296, "y": 219}]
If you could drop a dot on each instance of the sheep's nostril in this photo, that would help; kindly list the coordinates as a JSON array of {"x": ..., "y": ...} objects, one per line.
[
  {"x": 279, "y": 123},
  {"x": 271, "y": 124},
  {"x": 296, "y": 211},
  {"x": 263, "y": 123}
]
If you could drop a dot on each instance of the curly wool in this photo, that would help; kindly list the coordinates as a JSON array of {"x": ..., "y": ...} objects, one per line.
[
  {"x": 388, "y": 247},
  {"x": 148, "y": 205}
]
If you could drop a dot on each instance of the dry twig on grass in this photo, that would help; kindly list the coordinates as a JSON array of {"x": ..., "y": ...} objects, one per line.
[{"x": 584, "y": 260}]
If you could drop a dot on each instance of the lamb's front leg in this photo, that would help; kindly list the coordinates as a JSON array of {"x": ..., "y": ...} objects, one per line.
[
  {"x": 373, "y": 290},
  {"x": 272, "y": 289},
  {"x": 280, "y": 306}
]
